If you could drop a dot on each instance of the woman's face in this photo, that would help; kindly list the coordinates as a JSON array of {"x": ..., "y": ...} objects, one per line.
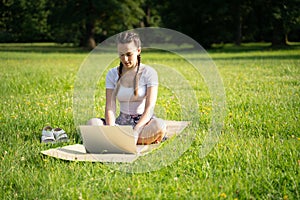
[{"x": 128, "y": 53}]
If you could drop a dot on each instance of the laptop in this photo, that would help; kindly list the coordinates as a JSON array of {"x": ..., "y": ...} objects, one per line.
[{"x": 109, "y": 139}]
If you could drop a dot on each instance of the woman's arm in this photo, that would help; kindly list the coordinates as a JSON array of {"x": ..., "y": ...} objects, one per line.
[
  {"x": 110, "y": 107},
  {"x": 151, "y": 97}
]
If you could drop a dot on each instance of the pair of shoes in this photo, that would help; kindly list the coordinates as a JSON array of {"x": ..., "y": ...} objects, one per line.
[{"x": 50, "y": 135}]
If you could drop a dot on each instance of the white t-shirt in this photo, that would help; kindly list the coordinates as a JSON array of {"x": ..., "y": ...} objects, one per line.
[{"x": 128, "y": 103}]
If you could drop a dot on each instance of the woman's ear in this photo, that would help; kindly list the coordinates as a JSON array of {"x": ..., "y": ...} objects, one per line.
[{"x": 139, "y": 50}]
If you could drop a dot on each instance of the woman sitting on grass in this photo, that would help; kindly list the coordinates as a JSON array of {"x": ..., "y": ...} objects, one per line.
[{"x": 135, "y": 86}]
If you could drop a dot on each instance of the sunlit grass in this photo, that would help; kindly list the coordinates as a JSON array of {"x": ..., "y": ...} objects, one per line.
[{"x": 257, "y": 156}]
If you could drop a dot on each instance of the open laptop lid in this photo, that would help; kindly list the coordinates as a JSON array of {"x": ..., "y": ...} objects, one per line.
[{"x": 108, "y": 139}]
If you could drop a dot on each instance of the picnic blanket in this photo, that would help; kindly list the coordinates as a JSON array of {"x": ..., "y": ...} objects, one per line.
[{"x": 77, "y": 152}]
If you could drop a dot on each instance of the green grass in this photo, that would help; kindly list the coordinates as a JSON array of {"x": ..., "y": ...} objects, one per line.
[{"x": 257, "y": 156}]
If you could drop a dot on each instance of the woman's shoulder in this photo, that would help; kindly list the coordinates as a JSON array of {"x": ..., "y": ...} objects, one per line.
[
  {"x": 113, "y": 72},
  {"x": 148, "y": 69},
  {"x": 149, "y": 76}
]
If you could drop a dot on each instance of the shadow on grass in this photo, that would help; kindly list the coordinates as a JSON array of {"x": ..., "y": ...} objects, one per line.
[
  {"x": 258, "y": 57},
  {"x": 40, "y": 48},
  {"x": 248, "y": 47},
  {"x": 218, "y": 48},
  {"x": 257, "y": 51}
]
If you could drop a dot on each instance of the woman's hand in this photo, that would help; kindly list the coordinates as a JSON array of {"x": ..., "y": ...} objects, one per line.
[
  {"x": 151, "y": 97},
  {"x": 110, "y": 107},
  {"x": 136, "y": 133}
]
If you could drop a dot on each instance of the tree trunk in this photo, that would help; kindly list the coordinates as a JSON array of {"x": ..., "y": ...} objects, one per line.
[
  {"x": 146, "y": 19},
  {"x": 238, "y": 23},
  {"x": 89, "y": 36},
  {"x": 89, "y": 40},
  {"x": 278, "y": 36}
]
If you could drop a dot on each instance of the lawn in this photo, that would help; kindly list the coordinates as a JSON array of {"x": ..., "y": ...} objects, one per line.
[{"x": 257, "y": 155}]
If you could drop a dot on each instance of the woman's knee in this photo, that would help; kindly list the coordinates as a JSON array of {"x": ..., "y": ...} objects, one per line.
[
  {"x": 156, "y": 126},
  {"x": 95, "y": 122},
  {"x": 153, "y": 132},
  {"x": 160, "y": 124}
]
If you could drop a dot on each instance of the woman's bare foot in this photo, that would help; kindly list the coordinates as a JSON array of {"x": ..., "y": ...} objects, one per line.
[{"x": 157, "y": 138}]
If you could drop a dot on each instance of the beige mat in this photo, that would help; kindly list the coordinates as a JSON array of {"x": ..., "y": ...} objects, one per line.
[{"x": 77, "y": 152}]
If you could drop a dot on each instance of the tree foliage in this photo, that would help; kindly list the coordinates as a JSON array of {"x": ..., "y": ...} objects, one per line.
[
  {"x": 88, "y": 22},
  {"x": 218, "y": 21},
  {"x": 23, "y": 20}
]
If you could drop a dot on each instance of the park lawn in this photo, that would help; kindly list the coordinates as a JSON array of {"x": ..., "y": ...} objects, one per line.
[{"x": 257, "y": 155}]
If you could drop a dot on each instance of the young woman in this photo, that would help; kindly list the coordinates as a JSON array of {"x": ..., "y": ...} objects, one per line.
[{"x": 135, "y": 86}]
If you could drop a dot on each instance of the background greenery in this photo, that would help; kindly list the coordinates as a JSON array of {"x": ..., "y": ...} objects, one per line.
[
  {"x": 257, "y": 156},
  {"x": 88, "y": 22}
]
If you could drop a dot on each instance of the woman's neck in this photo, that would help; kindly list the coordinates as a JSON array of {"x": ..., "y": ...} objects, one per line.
[{"x": 132, "y": 69}]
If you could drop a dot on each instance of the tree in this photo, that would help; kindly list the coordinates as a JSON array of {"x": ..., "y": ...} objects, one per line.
[
  {"x": 205, "y": 21},
  {"x": 238, "y": 11},
  {"x": 152, "y": 15},
  {"x": 290, "y": 15},
  {"x": 23, "y": 21},
  {"x": 93, "y": 20},
  {"x": 88, "y": 22},
  {"x": 278, "y": 18}
]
